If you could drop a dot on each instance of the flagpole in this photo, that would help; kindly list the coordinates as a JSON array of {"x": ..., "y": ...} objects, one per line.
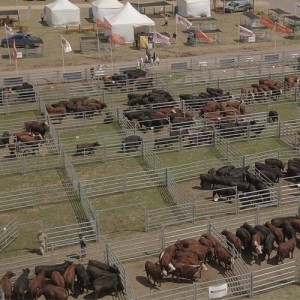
[
  {"x": 176, "y": 34},
  {"x": 98, "y": 43},
  {"x": 62, "y": 53},
  {"x": 111, "y": 57},
  {"x": 275, "y": 40}
]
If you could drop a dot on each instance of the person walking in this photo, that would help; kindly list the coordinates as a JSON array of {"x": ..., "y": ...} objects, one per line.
[
  {"x": 83, "y": 245},
  {"x": 166, "y": 20},
  {"x": 42, "y": 239}
]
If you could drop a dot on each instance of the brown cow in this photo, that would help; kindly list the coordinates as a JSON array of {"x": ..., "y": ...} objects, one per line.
[
  {"x": 69, "y": 278},
  {"x": 232, "y": 238},
  {"x": 222, "y": 255},
  {"x": 277, "y": 233},
  {"x": 165, "y": 258},
  {"x": 57, "y": 279},
  {"x": 296, "y": 224},
  {"x": 153, "y": 271},
  {"x": 212, "y": 239},
  {"x": 36, "y": 284},
  {"x": 54, "y": 292},
  {"x": 205, "y": 242},
  {"x": 284, "y": 250},
  {"x": 186, "y": 271},
  {"x": 256, "y": 245},
  {"x": 6, "y": 284},
  {"x": 185, "y": 243}
]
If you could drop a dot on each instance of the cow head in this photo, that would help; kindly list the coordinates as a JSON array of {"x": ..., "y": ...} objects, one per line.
[
  {"x": 258, "y": 249},
  {"x": 10, "y": 274}
]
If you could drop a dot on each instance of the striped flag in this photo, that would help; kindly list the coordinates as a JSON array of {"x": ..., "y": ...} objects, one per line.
[
  {"x": 15, "y": 52},
  {"x": 183, "y": 21},
  {"x": 117, "y": 39},
  {"x": 160, "y": 38},
  {"x": 9, "y": 30},
  {"x": 103, "y": 24},
  {"x": 267, "y": 22},
  {"x": 203, "y": 35},
  {"x": 66, "y": 45},
  {"x": 244, "y": 31}
]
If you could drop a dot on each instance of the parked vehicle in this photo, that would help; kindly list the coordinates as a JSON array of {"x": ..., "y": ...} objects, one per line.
[
  {"x": 22, "y": 40},
  {"x": 238, "y": 6}
]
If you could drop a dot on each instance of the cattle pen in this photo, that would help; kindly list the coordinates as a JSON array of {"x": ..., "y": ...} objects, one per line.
[{"x": 156, "y": 188}]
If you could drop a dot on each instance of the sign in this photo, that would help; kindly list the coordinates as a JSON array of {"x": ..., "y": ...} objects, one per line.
[
  {"x": 217, "y": 291},
  {"x": 143, "y": 42},
  {"x": 251, "y": 39}
]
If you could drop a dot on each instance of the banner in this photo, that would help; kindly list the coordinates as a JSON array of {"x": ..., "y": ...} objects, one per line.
[
  {"x": 143, "y": 42},
  {"x": 267, "y": 22},
  {"x": 103, "y": 24},
  {"x": 117, "y": 39},
  {"x": 183, "y": 21},
  {"x": 282, "y": 28},
  {"x": 66, "y": 45},
  {"x": 160, "y": 38},
  {"x": 15, "y": 51},
  {"x": 218, "y": 291},
  {"x": 244, "y": 31},
  {"x": 8, "y": 29},
  {"x": 203, "y": 35}
]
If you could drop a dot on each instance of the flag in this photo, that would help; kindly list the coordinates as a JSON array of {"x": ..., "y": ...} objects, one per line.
[
  {"x": 66, "y": 45},
  {"x": 103, "y": 24},
  {"x": 117, "y": 39},
  {"x": 15, "y": 52},
  {"x": 282, "y": 28},
  {"x": 183, "y": 21},
  {"x": 267, "y": 22},
  {"x": 160, "y": 38},
  {"x": 298, "y": 4},
  {"x": 244, "y": 31},
  {"x": 9, "y": 30},
  {"x": 203, "y": 35}
]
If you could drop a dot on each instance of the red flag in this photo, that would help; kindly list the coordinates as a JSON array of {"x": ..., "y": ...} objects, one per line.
[
  {"x": 117, "y": 39},
  {"x": 282, "y": 28},
  {"x": 103, "y": 24},
  {"x": 244, "y": 31},
  {"x": 15, "y": 52},
  {"x": 267, "y": 22},
  {"x": 203, "y": 35},
  {"x": 183, "y": 21}
]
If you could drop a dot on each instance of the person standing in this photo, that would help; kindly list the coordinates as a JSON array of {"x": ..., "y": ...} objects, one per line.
[
  {"x": 83, "y": 245},
  {"x": 42, "y": 239},
  {"x": 166, "y": 20},
  {"x": 142, "y": 63}
]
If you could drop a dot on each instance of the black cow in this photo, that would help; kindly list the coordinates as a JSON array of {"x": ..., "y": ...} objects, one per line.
[
  {"x": 278, "y": 221},
  {"x": 207, "y": 181},
  {"x": 103, "y": 266},
  {"x": 268, "y": 245},
  {"x": 4, "y": 140},
  {"x": 108, "y": 283},
  {"x": 37, "y": 127},
  {"x": 223, "y": 171},
  {"x": 86, "y": 148},
  {"x": 273, "y": 116},
  {"x": 224, "y": 191},
  {"x": 287, "y": 230},
  {"x": 249, "y": 228},
  {"x": 82, "y": 277},
  {"x": 131, "y": 143},
  {"x": 275, "y": 163},
  {"x": 95, "y": 272},
  {"x": 263, "y": 230},
  {"x": 61, "y": 268},
  {"x": 244, "y": 236},
  {"x": 20, "y": 286}
]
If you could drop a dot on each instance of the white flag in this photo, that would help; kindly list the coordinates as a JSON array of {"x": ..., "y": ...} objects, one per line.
[
  {"x": 9, "y": 30},
  {"x": 298, "y": 4},
  {"x": 183, "y": 21},
  {"x": 160, "y": 38},
  {"x": 66, "y": 45},
  {"x": 244, "y": 31}
]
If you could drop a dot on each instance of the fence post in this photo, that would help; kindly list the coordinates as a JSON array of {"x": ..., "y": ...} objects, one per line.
[
  {"x": 146, "y": 219},
  {"x": 162, "y": 237},
  {"x": 106, "y": 252},
  {"x": 237, "y": 206},
  {"x": 208, "y": 225},
  {"x": 167, "y": 177},
  {"x": 195, "y": 291},
  {"x": 279, "y": 195},
  {"x": 279, "y": 129},
  {"x": 257, "y": 215},
  {"x": 124, "y": 183},
  {"x": 251, "y": 287},
  {"x": 98, "y": 232},
  {"x": 194, "y": 211}
]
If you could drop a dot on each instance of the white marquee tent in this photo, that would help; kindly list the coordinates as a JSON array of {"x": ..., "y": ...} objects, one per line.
[
  {"x": 102, "y": 8},
  {"x": 128, "y": 22},
  {"x": 194, "y": 8},
  {"x": 61, "y": 13}
]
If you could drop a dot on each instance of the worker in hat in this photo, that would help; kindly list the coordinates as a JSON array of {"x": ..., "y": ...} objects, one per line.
[{"x": 42, "y": 238}]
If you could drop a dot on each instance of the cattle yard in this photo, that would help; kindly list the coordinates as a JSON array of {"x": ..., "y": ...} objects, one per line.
[{"x": 111, "y": 192}]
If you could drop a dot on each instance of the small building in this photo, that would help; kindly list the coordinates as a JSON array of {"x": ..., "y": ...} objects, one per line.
[
  {"x": 277, "y": 14},
  {"x": 293, "y": 22}
]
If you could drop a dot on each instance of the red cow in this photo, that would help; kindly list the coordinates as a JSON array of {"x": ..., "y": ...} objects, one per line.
[
  {"x": 277, "y": 233},
  {"x": 165, "y": 258},
  {"x": 222, "y": 255},
  {"x": 185, "y": 271},
  {"x": 54, "y": 292},
  {"x": 256, "y": 245},
  {"x": 296, "y": 224},
  {"x": 284, "y": 250},
  {"x": 212, "y": 239},
  {"x": 57, "y": 279},
  {"x": 36, "y": 284},
  {"x": 232, "y": 238},
  {"x": 69, "y": 278},
  {"x": 6, "y": 284},
  {"x": 154, "y": 272}
]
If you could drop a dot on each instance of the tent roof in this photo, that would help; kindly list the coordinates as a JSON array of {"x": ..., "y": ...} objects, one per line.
[
  {"x": 62, "y": 5},
  {"x": 129, "y": 15},
  {"x": 107, "y": 4}
]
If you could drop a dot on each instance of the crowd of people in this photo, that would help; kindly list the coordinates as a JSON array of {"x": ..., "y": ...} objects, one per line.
[{"x": 151, "y": 59}]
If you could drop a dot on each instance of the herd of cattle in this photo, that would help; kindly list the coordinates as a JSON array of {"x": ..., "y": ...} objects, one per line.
[
  {"x": 187, "y": 257},
  {"x": 22, "y": 92},
  {"x": 228, "y": 181},
  {"x": 57, "y": 282}
]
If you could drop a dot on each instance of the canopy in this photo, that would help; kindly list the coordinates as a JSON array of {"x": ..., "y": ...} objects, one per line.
[
  {"x": 102, "y": 8},
  {"x": 61, "y": 13},
  {"x": 128, "y": 22},
  {"x": 194, "y": 8}
]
